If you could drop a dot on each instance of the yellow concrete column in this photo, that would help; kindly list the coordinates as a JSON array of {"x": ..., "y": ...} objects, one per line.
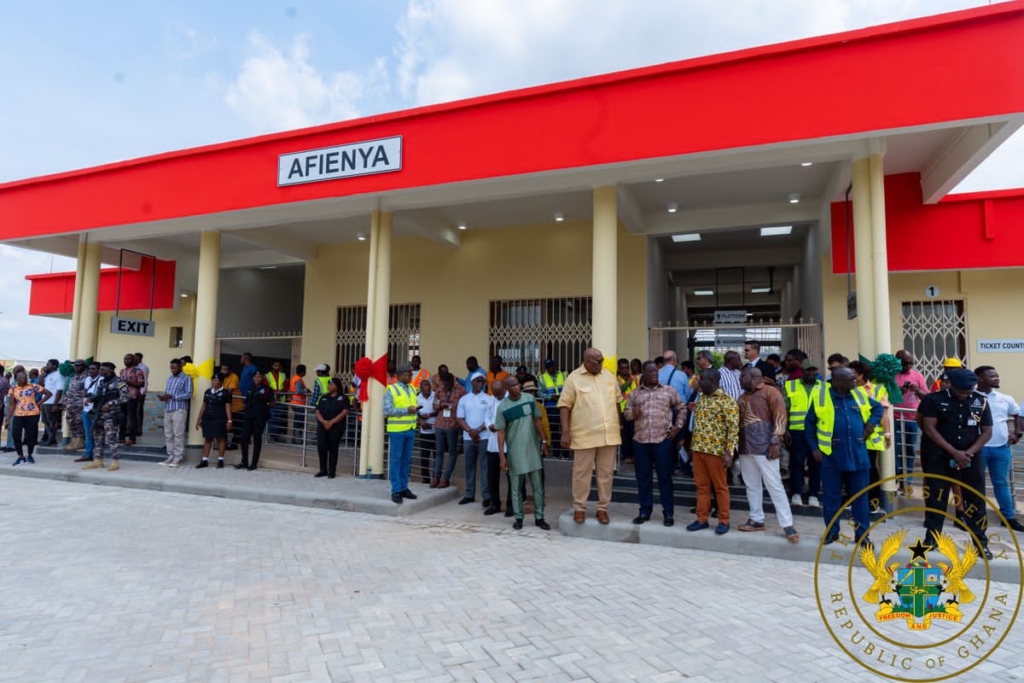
[
  {"x": 87, "y": 302},
  {"x": 879, "y": 255},
  {"x": 605, "y": 271},
  {"x": 880, "y": 268},
  {"x": 371, "y": 460},
  {"x": 76, "y": 306},
  {"x": 863, "y": 250},
  {"x": 205, "y": 324}
]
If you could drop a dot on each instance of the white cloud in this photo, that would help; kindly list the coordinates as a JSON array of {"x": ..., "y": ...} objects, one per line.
[
  {"x": 282, "y": 89},
  {"x": 21, "y": 336}
]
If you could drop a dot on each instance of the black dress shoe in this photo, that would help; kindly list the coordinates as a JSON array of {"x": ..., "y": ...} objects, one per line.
[
  {"x": 396, "y": 498},
  {"x": 508, "y": 511},
  {"x": 1014, "y": 524},
  {"x": 517, "y": 525},
  {"x": 492, "y": 511},
  {"x": 466, "y": 501},
  {"x": 220, "y": 464},
  {"x": 202, "y": 464},
  {"x": 669, "y": 521},
  {"x": 987, "y": 553},
  {"x": 252, "y": 468},
  {"x": 541, "y": 524},
  {"x": 640, "y": 519},
  {"x": 319, "y": 474},
  {"x": 241, "y": 466},
  {"x": 486, "y": 503},
  {"x": 408, "y": 494}
]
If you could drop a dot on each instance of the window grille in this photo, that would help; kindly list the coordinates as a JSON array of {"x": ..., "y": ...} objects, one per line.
[
  {"x": 350, "y": 342},
  {"x": 527, "y": 331},
  {"x": 934, "y": 331}
]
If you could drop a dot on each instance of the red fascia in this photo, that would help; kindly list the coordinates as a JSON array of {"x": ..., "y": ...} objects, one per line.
[
  {"x": 54, "y": 293},
  {"x": 953, "y": 67},
  {"x": 975, "y": 230}
]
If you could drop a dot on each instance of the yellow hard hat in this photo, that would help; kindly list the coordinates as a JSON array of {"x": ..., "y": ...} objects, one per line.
[{"x": 952, "y": 363}]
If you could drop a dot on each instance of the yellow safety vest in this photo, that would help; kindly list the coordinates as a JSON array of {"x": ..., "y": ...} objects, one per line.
[
  {"x": 626, "y": 389},
  {"x": 278, "y": 382},
  {"x": 825, "y": 413},
  {"x": 403, "y": 400},
  {"x": 325, "y": 385},
  {"x": 799, "y": 403},
  {"x": 547, "y": 384},
  {"x": 876, "y": 442}
]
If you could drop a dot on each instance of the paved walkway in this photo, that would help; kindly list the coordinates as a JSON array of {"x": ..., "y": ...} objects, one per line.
[{"x": 113, "y": 584}]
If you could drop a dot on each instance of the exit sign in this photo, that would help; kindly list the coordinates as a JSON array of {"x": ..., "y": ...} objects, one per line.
[{"x": 138, "y": 328}]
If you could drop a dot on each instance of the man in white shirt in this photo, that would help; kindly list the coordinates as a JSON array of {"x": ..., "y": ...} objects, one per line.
[
  {"x": 472, "y": 418},
  {"x": 492, "y": 503},
  {"x": 426, "y": 416},
  {"x": 730, "y": 372},
  {"x": 54, "y": 383},
  {"x": 996, "y": 453},
  {"x": 143, "y": 388}
]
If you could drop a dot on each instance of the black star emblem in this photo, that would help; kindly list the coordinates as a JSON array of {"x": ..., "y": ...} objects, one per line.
[{"x": 920, "y": 551}]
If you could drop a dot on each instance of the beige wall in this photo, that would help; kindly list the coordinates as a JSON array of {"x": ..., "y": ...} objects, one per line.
[
  {"x": 455, "y": 285},
  {"x": 156, "y": 350},
  {"x": 991, "y": 302}
]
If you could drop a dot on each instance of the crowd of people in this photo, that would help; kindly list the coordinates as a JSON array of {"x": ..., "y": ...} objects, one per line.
[{"x": 738, "y": 416}]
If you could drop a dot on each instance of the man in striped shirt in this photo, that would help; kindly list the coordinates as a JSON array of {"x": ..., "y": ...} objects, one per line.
[{"x": 176, "y": 398}]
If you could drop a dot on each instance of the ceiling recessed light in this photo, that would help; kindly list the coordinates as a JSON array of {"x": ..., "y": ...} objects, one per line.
[
  {"x": 761, "y": 290},
  {"x": 361, "y": 237},
  {"x": 807, "y": 163},
  {"x": 794, "y": 198},
  {"x": 776, "y": 230},
  {"x": 688, "y": 237},
  {"x": 559, "y": 217},
  {"x": 462, "y": 225},
  {"x": 703, "y": 292},
  {"x": 672, "y": 208},
  {"x": 184, "y": 295},
  {"x": 268, "y": 267},
  {"x": 659, "y": 180}
]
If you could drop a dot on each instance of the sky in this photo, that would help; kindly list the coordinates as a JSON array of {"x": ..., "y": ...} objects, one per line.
[{"x": 90, "y": 83}]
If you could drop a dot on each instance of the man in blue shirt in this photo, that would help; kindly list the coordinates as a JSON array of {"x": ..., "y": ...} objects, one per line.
[
  {"x": 847, "y": 462},
  {"x": 671, "y": 376},
  {"x": 248, "y": 370}
]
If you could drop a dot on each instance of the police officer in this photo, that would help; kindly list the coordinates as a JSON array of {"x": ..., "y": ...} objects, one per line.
[
  {"x": 111, "y": 394},
  {"x": 956, "y": 424}
]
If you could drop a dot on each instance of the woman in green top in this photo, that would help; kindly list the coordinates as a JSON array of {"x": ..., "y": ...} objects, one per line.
[{"x": 521, "y": 445}]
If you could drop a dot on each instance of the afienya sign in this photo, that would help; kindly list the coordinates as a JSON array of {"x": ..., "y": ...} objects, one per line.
[{"x": 343, "y": 161}]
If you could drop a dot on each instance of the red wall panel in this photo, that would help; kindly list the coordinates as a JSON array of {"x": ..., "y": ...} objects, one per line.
[
  {"x": 54, "y": 293},
  {"x": 979, "y": 230}
]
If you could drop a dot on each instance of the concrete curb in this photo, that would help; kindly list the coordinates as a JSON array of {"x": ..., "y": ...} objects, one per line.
[
  {"x": 770, "y": 543},
  {"x": 376, "y": 500}
]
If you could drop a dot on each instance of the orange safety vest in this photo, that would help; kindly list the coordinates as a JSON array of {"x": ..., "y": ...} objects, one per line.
[
  {"x": 420, "y": 375},
  {"x": 296, "y": 397}
]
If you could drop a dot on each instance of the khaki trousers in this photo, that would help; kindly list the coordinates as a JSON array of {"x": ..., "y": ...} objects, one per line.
[
  {"x": 708, "y": 473},
  {"x": 174, "y": 433},
  {"x": 584, "y": 462}
]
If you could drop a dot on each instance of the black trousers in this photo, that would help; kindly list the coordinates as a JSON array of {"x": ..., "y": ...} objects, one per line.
[
  {"x": 494, "y": 481},
  {"x": 51, "y": 423},
  {"x": 327, "y": 444},
  {"x": 25, "y": 431},
  {"x": 252, "y": 432},
  {"x": 936, "y": 494},
  {"x": 140, "y": 412},
  {"x": 130, "y": 419}
]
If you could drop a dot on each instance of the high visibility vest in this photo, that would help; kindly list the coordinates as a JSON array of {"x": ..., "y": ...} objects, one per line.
[
  {"x": 420, "y": 375},
  {"x": 297, "y": 397},
  {"x": 626, "y": 388},
  {"x": 876, "y": 442},
  {"x": 549, "y": 384},
  {"x": 799, "y": 402},
  {"x": 325, "y": 385},
  {"x": 404, "y": 400},
  {"x": 278, "y": 382},
  {"x": 825, "y": 412}
]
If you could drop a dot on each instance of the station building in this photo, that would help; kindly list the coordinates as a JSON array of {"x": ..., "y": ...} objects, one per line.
[{"x": 797, "y": 193}]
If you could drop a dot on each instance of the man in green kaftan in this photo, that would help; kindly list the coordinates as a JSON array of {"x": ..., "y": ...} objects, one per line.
[{"x": 521, "y": 444}]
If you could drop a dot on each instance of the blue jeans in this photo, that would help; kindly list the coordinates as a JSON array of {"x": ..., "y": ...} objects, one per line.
[
  {"x": 904, "y": 440},
  {"x": 278, "y": 423},
  {"x": 87, "y": 423},
  {"x": 648, "y": 457},
  {"x": 475, "y": 451},
  {"x": 400, "y": 459},
  {"x": 832, "y": 501},
  {"x": 998, "y": 460},
  {"x": 799, "y": 458}
]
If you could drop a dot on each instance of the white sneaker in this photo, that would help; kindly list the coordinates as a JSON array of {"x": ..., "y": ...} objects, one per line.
[
  {"x": 797, "y": 500},
  {"x": 172, "y": 464},
  {"x": 813, "y": 501}
]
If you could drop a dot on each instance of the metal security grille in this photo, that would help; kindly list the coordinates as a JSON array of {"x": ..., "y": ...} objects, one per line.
[
  {"x": 526, "y": 331},
  {"x": 934, "y": 331},
  {"x": 775, "y": 337},
  {"x": 403, "y": 336}
]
